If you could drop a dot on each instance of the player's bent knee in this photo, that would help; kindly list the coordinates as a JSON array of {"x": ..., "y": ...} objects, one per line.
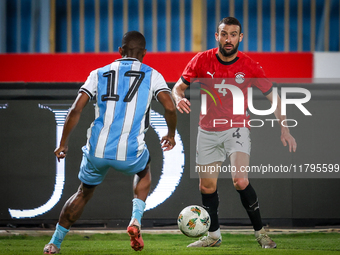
[
  {"x": 205, "y": 189},
  {"x": 87, "y": 186},
  {"x": 240, "y": 183},
  {"x": 145, "y": 172},
  {"x": 86, "y": 191}
]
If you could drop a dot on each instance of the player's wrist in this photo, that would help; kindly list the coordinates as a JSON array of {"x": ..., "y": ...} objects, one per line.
[
  {"x": 284, "y": 130},
  {"x": 171, "y": 135}
]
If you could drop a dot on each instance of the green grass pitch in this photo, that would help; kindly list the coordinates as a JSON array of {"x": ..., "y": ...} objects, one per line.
[{"x": 290, "y": 244}]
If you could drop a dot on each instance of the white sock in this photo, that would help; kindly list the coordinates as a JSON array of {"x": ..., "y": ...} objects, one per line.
[{"x": 216, "y": 234}]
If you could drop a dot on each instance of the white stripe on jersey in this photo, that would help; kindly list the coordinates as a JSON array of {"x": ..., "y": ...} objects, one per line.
[
  {"x": 140, "y": 139},
  {"x": 89, "y": 130},
  {"x": 102, "y": 139},
  {"x": 96, "y": 108},
  {"x": 129, "y": 117},
  {"x": 108, "y": 118}
]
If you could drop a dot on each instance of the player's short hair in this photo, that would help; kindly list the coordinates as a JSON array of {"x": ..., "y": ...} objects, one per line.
[
  {"x": 229, "y": 21},
  {"x": 133, "y": 39}
]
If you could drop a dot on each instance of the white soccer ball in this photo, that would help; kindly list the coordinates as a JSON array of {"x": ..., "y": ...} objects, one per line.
[{"x": 193, "y": 221}]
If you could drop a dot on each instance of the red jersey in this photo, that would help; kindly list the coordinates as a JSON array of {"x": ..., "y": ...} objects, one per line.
[{"x": 219, "y": 114}]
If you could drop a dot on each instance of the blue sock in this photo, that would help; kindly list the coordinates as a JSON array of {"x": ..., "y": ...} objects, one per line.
[
  {"x": 137, "y": 209},
  {"x": 59, "y": 235}
]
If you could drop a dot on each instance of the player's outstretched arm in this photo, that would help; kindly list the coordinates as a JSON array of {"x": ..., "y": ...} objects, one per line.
[
  {"x": 170, "y": 115},
  {"x": 182, "y": 104},
  {"x": 71, "y": 122},
  {"x": 286, "y": 137}
]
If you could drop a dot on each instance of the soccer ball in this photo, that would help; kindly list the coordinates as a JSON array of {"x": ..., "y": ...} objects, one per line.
[{"x": 193, "y": 221}]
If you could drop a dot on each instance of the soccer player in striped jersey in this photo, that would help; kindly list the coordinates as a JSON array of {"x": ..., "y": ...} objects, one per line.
[
  {"x": 215, "y": 142},
  {"x": 123, "y": 90}
]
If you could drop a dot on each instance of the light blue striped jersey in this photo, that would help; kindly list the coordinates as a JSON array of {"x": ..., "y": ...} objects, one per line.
[{"x": 124, "y": 90}]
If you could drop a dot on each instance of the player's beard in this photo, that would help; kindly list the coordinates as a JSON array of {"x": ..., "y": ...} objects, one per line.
[{"x": 228, "y": 53}]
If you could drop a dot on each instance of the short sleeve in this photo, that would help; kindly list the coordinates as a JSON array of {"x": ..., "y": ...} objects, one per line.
[
  {"x": 90, "y": 85},
  {"x": 158, "y": 83},
  {"x": 190, "y": 70},
  {"x": 262, "y": 82}
]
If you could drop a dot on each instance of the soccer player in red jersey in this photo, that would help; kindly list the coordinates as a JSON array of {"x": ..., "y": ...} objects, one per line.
[{"x": 232, "y": 139}]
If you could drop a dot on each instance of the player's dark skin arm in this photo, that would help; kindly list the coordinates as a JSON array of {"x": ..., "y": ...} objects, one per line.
[
  {"x": 170, "y": 115},
  {"x": 74, "y": 206},
  {"x": 71, "y": 122}
]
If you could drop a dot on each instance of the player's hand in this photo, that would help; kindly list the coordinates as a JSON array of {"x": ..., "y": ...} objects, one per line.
[
  {"x": 167, "y": 142},
  {"x": 183, "y": 105},
  {"x": 287, "y": 138},
  {"x": 60, "y": 152}
]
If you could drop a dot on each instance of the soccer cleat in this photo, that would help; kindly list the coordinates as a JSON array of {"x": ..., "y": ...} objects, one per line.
[
  {"x": 50, "y": 248},
  {"x": 264, "y": 240},
  {"x": 206, "y": 241},
  {"x": 136, "y": 239}
]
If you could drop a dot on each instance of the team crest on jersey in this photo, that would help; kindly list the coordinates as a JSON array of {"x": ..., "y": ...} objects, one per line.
[{"x": 239, "y": 77}]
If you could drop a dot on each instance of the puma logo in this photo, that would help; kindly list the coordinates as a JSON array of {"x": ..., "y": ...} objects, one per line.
[
  {"x": 240, "y": 143},
  {"x": 212, "y": 75}
]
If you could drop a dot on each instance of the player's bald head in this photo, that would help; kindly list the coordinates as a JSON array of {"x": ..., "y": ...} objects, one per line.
[{"x": 133, "y": 44}]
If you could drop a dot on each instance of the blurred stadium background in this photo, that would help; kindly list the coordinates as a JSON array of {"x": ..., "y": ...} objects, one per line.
[
  {"x": 170, "y": 25},
  {"x": 48, "y": 48}
]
